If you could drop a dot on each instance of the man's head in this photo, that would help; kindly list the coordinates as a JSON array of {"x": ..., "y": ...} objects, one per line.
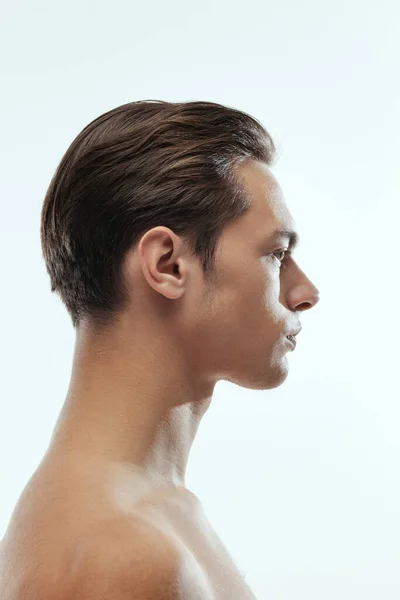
[{"x": 160, "y": 219}]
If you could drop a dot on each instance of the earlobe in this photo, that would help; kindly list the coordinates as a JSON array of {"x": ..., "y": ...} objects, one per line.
[
  {"x": 160, "y": 265},
  {"x": 167, "y": 284}
]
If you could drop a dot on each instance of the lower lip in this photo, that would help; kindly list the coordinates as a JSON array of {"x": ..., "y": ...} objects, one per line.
[{"x": 292, "y": 341}]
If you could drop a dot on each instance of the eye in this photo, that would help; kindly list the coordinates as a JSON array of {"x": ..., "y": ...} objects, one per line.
[{"x": 285, "y": 252}]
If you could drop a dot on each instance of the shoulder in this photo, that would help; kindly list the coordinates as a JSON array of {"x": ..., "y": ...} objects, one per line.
[{"x": 127, "y": 559}]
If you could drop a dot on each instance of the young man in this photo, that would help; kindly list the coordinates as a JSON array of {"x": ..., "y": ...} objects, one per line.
[{"x": 169, "y": 240}]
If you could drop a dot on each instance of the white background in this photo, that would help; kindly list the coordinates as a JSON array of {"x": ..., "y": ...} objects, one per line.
[{"x": 302, "y": 483}]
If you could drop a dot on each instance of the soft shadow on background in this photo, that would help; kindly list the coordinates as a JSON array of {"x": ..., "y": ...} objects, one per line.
[{"x": 302, "y": 483}]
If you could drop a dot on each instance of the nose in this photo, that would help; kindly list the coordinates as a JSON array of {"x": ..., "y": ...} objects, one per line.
[
  {"x": 301, "y": 293},
  {"x": 305, "y": 297}
]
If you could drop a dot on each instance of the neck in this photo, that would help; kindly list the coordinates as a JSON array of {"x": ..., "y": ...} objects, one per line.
[{"x": 138, "y": 404}]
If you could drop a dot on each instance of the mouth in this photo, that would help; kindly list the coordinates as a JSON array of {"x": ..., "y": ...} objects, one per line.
[{"x": 292, "y": 339}]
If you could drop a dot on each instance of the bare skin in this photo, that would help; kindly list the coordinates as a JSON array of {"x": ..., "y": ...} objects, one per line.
[{"x": 113, "y": 476}]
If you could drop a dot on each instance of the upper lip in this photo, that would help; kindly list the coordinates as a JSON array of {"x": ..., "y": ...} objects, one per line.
[{"x": 294, "y": 333}]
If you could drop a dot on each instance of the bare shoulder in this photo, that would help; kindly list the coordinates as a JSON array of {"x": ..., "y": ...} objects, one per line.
[
  {"x": 97, "y": 549},
  {"x": 126, "y": 560}
]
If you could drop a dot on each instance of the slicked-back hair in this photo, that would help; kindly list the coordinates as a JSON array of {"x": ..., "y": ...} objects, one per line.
[{"x": 140, "y": 165}]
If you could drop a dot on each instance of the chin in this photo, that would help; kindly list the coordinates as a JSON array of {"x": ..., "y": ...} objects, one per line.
[{"x": 268, "y": 379}]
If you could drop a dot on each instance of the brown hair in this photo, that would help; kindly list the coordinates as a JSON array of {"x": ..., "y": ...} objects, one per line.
[{"x": 140, "y": 165}]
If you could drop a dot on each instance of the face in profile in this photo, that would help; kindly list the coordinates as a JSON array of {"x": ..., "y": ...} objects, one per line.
[{"x": 240, "y": 321}]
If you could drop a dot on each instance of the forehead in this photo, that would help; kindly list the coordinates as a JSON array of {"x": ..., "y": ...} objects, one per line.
[{"x": 268, "y": 210}]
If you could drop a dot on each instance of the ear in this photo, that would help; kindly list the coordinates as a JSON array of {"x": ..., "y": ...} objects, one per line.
[{"x": 161, "y": 259}]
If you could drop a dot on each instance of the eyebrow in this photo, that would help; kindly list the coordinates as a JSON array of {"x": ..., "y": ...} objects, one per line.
[{"x": 293, "y": 237}]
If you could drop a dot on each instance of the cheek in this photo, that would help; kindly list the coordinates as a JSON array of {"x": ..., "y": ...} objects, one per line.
[
  {"x": 271, "y": 303},
  {"x": 261, "y": 307},
  {"x": 245, "y": 300},
  {"x": 271, "y": 289}
]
